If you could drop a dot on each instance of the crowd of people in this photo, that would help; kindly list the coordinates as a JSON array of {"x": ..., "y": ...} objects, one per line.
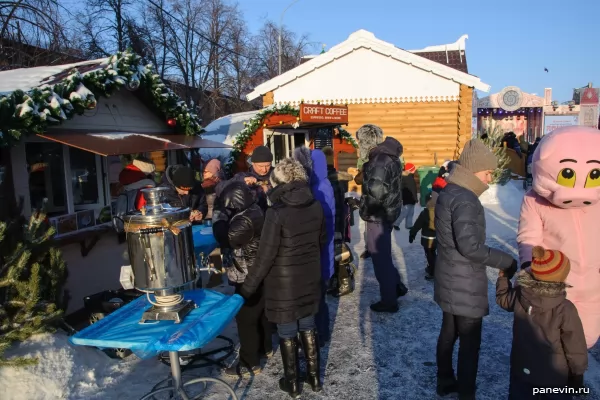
[{"x": 278, "y": 228}]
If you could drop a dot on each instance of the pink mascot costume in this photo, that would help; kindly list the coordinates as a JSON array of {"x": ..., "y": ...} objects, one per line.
[{"x": 562, "y": 212}]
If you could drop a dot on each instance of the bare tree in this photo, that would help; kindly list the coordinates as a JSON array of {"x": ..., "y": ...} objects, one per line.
[
  {"x": 32, "y": 32},
  {"x": 292, "y": 46},
  {"x": 105, "y": 26},
  {"x": 241, "y": 67}
]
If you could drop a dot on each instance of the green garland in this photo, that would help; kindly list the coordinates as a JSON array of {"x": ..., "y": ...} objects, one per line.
[
  {"x": 256, "y": 122},
  {"x": 251, "y": 127},
  {"x": 347, "y": 136},
  {"x": 31, "y": 112}
]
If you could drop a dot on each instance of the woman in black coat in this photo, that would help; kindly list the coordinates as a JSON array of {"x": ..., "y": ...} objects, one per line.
[
  {"x": 288, "y": 262},
  {"x": 241, "y": 232}
]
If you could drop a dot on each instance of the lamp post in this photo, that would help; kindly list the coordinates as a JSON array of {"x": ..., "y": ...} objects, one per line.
[{"x": 281, "y": 30}]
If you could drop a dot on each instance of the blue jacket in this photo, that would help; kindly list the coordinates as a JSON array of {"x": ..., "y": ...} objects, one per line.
[{"x": 323, "y": 193}]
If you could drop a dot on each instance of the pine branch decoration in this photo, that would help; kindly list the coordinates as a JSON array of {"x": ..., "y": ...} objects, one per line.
[
  {"x": 502, "y": 174},
  {"x": 32, "y": 274}
]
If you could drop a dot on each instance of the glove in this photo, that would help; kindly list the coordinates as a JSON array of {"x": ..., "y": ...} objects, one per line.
[
  {"x": 337, "y": 236},
  {"x": 411, "y": 239},
  {"x": 511, "y": 271},
  {"x": 576, "y": 382},
  {"x": 526, "y": 265}
]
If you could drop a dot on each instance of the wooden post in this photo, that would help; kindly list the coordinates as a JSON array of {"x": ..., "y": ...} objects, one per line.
[
  {"x": 465, "y": 111},
  {"x": 268, "y": 99}
]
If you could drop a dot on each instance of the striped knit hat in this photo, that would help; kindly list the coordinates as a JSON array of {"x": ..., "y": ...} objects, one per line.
[{"x": 549, "y": 265}]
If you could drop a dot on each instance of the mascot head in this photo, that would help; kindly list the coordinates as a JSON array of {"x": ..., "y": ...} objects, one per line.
[{"x": 566, "y": 167}]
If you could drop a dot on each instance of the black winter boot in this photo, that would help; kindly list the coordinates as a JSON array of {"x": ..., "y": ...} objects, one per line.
[
  {"x": 345, "y": 287},
  {"x": 310, "y": 343},
  {"x": 290, "y": 383},
  {"x": 401, "y": 290},
  {"x": 446, "y": 386}
]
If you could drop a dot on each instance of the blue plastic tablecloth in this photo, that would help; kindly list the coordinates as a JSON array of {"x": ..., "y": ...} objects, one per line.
[
  {"x": 204, "y": 241},
  {"x": 123, "y": 329}
]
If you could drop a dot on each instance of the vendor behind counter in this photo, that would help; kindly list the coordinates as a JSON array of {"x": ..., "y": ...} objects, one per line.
[{"x": 185, "y": 191}]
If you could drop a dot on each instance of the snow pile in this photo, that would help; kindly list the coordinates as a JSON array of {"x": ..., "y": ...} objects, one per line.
[
  {"x": 508, "y": 196},
  {"x": 120, "y": 136},
  {"x": 62, "y": 370},
  {"x": 224, "y": 130},
  {"x": 27, "y": 78}
]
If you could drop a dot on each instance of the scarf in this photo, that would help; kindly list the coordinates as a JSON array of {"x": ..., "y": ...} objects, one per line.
[{"x": 464, "y": 178}]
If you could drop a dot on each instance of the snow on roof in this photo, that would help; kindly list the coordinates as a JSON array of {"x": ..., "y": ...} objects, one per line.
[
  {"x": 224, "y": 130},
  {"x": 365, "y": 39},
  {"x": 28, "y": 78},
  {"x": 460, "y": 44}
]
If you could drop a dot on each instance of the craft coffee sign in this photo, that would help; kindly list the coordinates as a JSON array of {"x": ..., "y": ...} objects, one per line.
[{"x": 315, "y": 113}]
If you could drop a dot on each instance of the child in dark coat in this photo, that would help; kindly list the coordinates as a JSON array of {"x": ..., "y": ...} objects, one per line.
[
  {"x": 549, "y": 348},
  {"x": 425, "y": 224}
]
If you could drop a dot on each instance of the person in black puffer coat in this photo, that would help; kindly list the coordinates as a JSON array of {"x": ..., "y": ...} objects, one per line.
[
  {"x": 289, "y": 263},
  {"x": 241, "y": 232},
  {"x": 461, "y": 283},
  {"x": 380, "y": 206}
]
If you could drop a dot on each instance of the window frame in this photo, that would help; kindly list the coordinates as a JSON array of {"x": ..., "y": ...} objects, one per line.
[{"x": 104, "y": 198}]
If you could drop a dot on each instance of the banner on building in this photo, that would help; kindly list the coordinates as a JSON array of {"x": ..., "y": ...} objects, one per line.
[
  {"x": 552, "y": 122},
  {"x": 589, "y": 96},
  {"x": 588, "y": 115}
]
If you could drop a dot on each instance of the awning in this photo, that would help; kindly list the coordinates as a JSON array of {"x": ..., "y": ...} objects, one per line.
[{"x": 118, "y": 143}]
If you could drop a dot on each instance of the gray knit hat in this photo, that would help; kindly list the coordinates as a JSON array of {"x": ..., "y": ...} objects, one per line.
[{"x": 477, "y": 157}]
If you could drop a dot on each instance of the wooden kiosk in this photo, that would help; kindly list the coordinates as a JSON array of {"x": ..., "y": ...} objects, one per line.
[{"x": 283, "y": 128}]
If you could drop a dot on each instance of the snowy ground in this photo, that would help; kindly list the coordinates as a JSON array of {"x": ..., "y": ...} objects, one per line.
[{"x": 371, "y": 356}]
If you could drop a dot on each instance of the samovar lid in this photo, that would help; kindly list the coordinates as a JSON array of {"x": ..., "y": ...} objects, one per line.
[{"x": 157, "y": 208}]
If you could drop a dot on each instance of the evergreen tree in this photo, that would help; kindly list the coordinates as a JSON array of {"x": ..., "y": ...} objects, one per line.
[
  {"x": 492, "y": 137},
  {"x": 32, "y": 273}
]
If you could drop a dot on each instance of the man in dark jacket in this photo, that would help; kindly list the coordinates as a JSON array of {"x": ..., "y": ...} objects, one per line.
[
  {"x": 548, "y": 346},
  {"x": 185, "y": 191},
  {"x": 461, "y": 283},
  {"x": 257, "y": 177},
  {"x": 379, "y": 208}
]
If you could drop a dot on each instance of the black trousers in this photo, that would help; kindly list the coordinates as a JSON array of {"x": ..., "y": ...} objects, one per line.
[
  {"x": 468, "y": 330},
  {"x": 431, "y": 256},
  {"x": 254, "y": 329}
]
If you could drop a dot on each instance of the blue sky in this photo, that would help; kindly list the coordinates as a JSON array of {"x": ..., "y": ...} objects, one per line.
[{"x": 510, "y": 42}]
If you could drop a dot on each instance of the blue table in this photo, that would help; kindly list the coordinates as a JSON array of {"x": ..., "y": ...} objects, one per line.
[
  {"x": 204, "y": 241},
  {"x": 122, "y": 329}
]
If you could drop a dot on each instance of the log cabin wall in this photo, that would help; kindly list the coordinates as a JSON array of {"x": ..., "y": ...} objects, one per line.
[{"x": 423, "y": 128}]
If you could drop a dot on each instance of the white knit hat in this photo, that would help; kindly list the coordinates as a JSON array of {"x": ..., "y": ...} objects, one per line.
[{"x": 144, "y": 165}]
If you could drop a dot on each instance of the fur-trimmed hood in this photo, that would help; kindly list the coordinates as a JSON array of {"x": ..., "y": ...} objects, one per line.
[
  {"x": 368, "y": 136},
  {"x": 540, "y": 295}
]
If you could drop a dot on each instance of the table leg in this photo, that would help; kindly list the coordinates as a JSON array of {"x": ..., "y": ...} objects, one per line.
[{"x": 178, "y": 385}]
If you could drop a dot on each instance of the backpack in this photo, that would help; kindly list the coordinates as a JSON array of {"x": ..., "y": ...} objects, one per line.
[{"x": 125, "y": 204}]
